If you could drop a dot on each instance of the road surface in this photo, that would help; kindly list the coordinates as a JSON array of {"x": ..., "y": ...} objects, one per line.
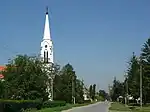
[{"x": 98, "y": 107}]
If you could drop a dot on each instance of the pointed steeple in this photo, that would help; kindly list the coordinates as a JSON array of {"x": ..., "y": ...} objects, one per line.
[
  {"x": 47, "y": 44},
  {"x": 47, "y": 10},
  {"x": 47, "y": 33}
]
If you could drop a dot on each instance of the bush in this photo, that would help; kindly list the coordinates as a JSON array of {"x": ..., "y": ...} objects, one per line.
[
  {"x": 87, "y": 101},
  {"x": 51, "y": 104},
  {"x": 134, "y": 104},
  {"x": 18, "y": 105}
]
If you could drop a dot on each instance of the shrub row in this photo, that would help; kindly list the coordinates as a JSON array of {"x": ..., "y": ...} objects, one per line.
[
  {"x": 20, "y": 105},
  {"x": 50, "y": 104},
  {"x": 87, "y": 101}
]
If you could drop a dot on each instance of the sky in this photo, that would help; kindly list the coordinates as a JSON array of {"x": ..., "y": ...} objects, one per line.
[{"x": 97, "y": 37}]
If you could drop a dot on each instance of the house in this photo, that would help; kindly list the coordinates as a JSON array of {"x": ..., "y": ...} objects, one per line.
[{"x": 86, "y": 93}]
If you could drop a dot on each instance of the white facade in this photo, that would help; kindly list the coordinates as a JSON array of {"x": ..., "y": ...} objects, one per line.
[
  {"x": 47, "y": 44},
  {"x": 46, "y": 54}
]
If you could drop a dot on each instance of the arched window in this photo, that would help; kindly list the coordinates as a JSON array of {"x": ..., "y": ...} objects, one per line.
[{"x": 45, "y": 56}]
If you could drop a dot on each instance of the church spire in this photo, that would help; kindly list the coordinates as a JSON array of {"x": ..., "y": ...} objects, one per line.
[
  {"x": 46, "y": 28},
  {"x": 46, "y": 9},
  {"x": 47, "y": 44}
]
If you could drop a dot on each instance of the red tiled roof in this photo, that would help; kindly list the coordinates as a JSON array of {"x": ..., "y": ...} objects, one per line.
[{"x": 1, "y": 69}]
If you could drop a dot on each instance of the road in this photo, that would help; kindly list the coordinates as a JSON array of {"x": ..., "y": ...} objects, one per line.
[{"x": 98, "y": 107}]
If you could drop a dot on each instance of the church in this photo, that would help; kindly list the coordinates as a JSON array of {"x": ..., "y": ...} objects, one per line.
[
  {"x": 47, "y": 44},
  {"x": 46, "y": 51}
]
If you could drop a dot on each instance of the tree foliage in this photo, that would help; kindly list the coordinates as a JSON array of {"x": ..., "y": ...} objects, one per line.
[
  {"x": 133, "y": 74},
  {"x": 92, "y": 91},
  {"x": 24, "y": 79},
  {"x": 67, "y": 85},
  {"x": 133, "y": 77},
  {"x": 117, "y": 89},
  {"x": 145, "y": 56}
]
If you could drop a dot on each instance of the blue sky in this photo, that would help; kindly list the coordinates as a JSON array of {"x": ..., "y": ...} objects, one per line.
[{"x": 96, "y": 36}]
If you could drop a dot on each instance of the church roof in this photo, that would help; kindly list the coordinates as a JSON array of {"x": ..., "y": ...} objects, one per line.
[
  {"x": 2, "y": 68},
  {"x": 47, "y": 34}
]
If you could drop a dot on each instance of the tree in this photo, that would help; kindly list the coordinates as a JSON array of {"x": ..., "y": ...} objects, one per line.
[
  {"x": 117, "y": 89},
  {"x": 145, "y": 56},
  {"x": 102, "y": 93},
  {"x": 79, "y": 91},
  {"x": 91, "y": 90},
  {"x": 25, "y": 79},
  {"x": 67, "y": 85},
  {"x": 66, "y": 76},
  {"x": 2, "y": 86},
  {"x": 133, "y": 77}
]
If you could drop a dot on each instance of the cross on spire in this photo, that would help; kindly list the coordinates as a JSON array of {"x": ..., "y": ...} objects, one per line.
[{"x": 46, "y": 9}]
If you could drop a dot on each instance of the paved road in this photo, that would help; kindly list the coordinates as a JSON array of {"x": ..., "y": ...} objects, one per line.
[{"x": 98, "y": 107}]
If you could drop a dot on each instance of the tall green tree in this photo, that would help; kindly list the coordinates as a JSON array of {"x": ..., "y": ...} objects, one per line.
[
  {"x": 145, "y": 56},
  {"x": 102, "y": 93},
  {"x": 91, "y": 91},
  {"x": 67, "y": 73},
  {"x": 25, "y": 79},
  {"x": 79, "y": 87},
  {"x": 117, "y": 89},
  {"x": 67, "y": 85},
  {"x": 133, "y": 77}
]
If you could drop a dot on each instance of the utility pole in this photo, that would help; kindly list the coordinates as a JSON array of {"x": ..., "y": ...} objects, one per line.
[
  {"x": 73, "y": 90},
  {"x": 126, "y": 93},
  {"x": 109, "y": 90},
  {"x": 127, "y": 88},
  {"x": 141, "y": 85},
  {"x": 141, "y": 91}
]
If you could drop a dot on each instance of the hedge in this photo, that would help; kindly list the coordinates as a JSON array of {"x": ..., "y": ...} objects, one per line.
[
  {"x": 87, "y": 101},
  {"x": 18, "y": 105},
  {"x": 51, "y": 104}
]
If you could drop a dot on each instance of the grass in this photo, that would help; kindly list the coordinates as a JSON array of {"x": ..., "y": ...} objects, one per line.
[
  {"x": 59, "y": 109},
  {"x": 144, "y": 109},
  {"x": 118, "y": 107},
  {"x": 56, "y": 109}
]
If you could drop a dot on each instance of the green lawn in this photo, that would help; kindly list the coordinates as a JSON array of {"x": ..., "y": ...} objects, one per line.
[
  {"x": 118, "y": 107},
  {"x": 144, "y": 109},
  {"x": 59, "y": 109},
  {"x": 56, "y": 109}
]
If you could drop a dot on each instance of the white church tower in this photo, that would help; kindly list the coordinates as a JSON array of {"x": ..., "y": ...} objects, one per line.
[
  {"x": 47, "y": 44},
  {"x": 46, "y": 54}
]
